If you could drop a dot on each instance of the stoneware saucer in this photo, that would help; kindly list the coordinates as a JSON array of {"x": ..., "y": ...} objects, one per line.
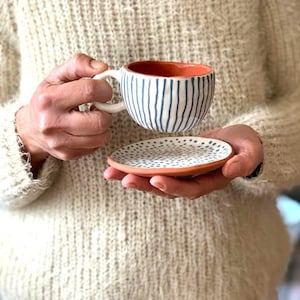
[{"x": 171, "y": 156}]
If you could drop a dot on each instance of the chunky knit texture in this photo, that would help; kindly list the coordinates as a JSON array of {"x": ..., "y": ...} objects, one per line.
[{"x": 69, "y": 234}]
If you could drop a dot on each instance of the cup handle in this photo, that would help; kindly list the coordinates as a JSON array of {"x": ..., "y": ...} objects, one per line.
[{"x": 110, "y": 107}]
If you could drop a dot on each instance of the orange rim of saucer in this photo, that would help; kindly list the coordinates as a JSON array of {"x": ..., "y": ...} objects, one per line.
[{"x": 184, "y": 171}]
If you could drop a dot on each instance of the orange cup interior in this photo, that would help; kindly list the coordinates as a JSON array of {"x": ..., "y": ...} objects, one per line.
[{"x": 168, "y": 68}]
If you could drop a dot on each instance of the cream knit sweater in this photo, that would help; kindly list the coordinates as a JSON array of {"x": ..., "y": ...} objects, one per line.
[{"x": 70, "y": 234}]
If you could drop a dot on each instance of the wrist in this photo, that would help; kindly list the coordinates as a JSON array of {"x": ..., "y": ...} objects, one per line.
[
  {"x": 259, "y": 168},
  {"x": 31, "y": 153}
]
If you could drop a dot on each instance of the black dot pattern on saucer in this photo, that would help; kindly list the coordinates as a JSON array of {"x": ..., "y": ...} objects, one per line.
[{"x": 179, "y": 152}]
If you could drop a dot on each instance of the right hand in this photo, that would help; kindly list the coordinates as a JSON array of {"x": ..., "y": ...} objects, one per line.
[{"x": 51, "y": 124}]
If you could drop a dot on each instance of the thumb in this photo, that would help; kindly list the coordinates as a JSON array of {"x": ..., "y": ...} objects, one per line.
[
  {"x": 79, "y": 66},
  {"x": 239, "y": 165}
]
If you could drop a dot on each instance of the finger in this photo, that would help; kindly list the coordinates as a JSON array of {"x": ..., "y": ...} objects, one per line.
[
  {"x": 87, "y": 142},
  {"x": 67, "y": 143},
  {"x": 75, "y": 123},
  {"x": 71, "y": 155},
  {"x": 72, "y": 94},
  {"x": 249, "y": 154},
  {"x": 87, "y": 123},
  {"x": 113, "y": 174},
  {"x": 80, "y": 65},
  {"x": 190, "y": 188},
  {"x": 240, "y": 165},
  {"x": 246, "y": 145},
  {"x": 142, "y": 184}
]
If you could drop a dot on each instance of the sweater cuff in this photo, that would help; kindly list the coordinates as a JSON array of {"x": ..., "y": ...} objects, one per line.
[{"x": 18, "y": 187}]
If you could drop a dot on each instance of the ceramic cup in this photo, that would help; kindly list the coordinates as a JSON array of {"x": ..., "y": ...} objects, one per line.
[{"x": 163, "y": 96}]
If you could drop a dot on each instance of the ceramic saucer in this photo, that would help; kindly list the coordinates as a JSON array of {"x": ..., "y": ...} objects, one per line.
[{"x": 171, "y": 156}]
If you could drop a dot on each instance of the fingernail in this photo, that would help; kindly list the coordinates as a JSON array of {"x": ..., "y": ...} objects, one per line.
[
  {"x": 106, "y": 174},
  {"x": 96, "y": 64},
  {"x": 157, "y": 184},
  {"x": 130, "y": 185}
]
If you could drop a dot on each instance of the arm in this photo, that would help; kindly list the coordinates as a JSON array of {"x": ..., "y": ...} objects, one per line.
[
  {"x": 17, "y": 185},
  {"x": 38, "y": 133},
  {"x": 278, "y": 120},
  {"x": 52, "y": 128}
]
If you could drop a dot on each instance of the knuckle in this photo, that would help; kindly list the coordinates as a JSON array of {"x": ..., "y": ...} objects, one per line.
[
  {"x": 54, "y": 143},
  {"x": 89, "y": 89},
  {"x": 78, "y": 58},
  {"x": 67, "y": 156},
  {"x": 44, "y": 101},
  {"x": 74, "y": 64},
  {"x": 44, "y": 124}
]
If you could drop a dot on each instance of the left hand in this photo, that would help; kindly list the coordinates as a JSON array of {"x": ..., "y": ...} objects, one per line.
[{"x": 248, "y": 151}]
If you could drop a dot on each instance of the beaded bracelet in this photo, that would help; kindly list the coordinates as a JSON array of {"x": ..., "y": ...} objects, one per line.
[{"x": 258, "y": 170}]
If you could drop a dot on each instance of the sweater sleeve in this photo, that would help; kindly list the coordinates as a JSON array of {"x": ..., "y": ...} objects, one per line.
[
  {"x": 278, "y": 120},
  {"x": 17, "y": 185}
]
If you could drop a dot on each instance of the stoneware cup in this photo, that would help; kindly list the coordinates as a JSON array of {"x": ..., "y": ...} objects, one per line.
[{"x": 164, "y": 96}]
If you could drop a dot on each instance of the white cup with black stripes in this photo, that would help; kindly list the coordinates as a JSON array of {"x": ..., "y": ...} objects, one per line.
[{"x": 163, "y": 96}]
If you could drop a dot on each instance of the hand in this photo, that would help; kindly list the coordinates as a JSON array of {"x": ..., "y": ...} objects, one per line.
[
  {"x": 52, "y": 123},
  {"x": 248, "y": 154}
]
